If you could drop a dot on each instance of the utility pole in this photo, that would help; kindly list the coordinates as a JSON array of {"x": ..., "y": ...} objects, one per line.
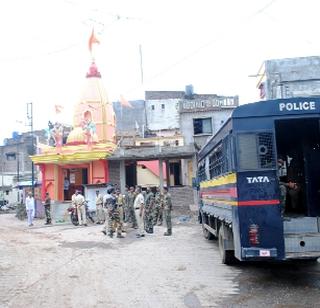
[
  {"x": 141, "y": 64},
  {"x": 30, "y": 118},
  {"x": 2, "y": 175}
]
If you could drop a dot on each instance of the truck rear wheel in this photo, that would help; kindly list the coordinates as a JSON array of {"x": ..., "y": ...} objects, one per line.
[
  {"x": 206, "y": 233},
  {"x": 227, "y": 256}
]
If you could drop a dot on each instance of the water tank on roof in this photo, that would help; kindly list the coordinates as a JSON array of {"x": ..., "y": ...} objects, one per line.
[
  {"x": 189, "y": 90},
  {"x": 15, "y": 135}
]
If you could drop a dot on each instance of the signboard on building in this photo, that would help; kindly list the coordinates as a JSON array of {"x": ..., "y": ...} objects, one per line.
[{"x": 206, "y": 104}]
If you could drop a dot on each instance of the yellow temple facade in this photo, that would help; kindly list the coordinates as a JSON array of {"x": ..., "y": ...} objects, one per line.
[{"x": 82, "y": 159}]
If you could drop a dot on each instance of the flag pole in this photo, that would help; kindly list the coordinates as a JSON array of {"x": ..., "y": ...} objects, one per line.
[{"x": 141, "y": 64}]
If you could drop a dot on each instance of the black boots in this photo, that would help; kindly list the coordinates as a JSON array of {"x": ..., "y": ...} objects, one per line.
[{"x": 168, "y": 233}]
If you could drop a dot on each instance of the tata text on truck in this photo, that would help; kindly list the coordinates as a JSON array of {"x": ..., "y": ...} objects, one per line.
[{"x": 240, "y": 196}]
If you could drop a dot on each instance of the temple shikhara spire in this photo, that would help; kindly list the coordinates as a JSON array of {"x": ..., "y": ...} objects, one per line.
[{"x": 81, "y": 157}]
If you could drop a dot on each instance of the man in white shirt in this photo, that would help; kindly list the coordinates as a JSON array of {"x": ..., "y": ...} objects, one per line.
[
  {"x": 79, "y": 203},
  {"x": 139, "y": 210},
  {"x": 30, "y": 208}
]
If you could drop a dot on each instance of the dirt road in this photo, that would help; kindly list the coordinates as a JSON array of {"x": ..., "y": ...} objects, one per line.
[{"x": 67, "y": 266}]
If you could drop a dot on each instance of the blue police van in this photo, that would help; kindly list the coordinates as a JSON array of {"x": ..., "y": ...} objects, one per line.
[{"x": 259, "y": 182}]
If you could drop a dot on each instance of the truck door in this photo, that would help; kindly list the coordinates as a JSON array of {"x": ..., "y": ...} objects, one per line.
[{"x": 312, "y": 177}]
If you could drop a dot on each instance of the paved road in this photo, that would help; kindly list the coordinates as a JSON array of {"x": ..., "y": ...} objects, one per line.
[{"x": 67, "y": 266}]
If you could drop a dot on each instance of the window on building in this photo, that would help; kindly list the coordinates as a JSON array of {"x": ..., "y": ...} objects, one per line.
[
  {"x": 162, "y": 106},
  {"x": 11, "y": 156},
  {"x": 152, "y": 107},
  {"x": 202, "y": 126}
]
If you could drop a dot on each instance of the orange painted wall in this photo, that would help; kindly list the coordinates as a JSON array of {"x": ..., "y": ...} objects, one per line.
[
  {"x": 98, "y": 171},
  {"x": 49, "y": 180}
]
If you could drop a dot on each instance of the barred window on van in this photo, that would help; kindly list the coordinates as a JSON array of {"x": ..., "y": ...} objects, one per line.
[
  {"x": 256, "y": 151},
  {"x": 216, "y": 163}
]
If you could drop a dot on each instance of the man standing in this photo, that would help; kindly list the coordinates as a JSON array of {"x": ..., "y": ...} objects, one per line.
[
  {"x": 30, "y": 208},
  {"x": 158, "y": 210},
  {"x": 113, "y": 214},
  {"x": 132, "y": 217},
  {"x": 47, "y": 205},
  {"x": 139, "y": 210},
  {"x": 149, "y": 204},
  {"x": 126, "y": 206},
  {"x": 167, "y": 208},
  {"x": 120, "y": 205},
  {"x": 81, "y": 209},
  {"x": 66, "y": 185},
  {"x": 99, "y": 208}
]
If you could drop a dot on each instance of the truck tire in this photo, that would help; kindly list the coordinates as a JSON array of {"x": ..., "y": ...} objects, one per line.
[
  {"x": 227, "y": 256},
  {"x": 206, "y": 233}
]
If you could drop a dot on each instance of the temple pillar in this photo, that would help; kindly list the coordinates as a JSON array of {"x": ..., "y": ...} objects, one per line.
[
  {"x": 106, "y": 172},
  {"x": 168, "y": 173},
  {"x": 161, "y": 174},
  {"x": 43, "y": 181},
  {"x": 122, "y": 176},
  {"x": 56, "y": 182}
]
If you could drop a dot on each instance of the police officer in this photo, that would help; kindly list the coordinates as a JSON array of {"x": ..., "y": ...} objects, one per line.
[
  {"x": 113, "y": 214},
  {"x": 120, "y": 206},
  {"x": 47, "y": 204},
  {"x": 131, "y": 211},
  {"x": 79, "y": 203},
  {"x": 149, "y": 205},
  {"x": 126, "y": 205},
  {"x": 167, "y": 208},
  {"x": 99, "y": 208},
  {"x": 158, "y": 210}
]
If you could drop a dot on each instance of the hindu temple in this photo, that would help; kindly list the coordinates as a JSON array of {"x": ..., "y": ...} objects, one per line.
[{"x": 81, "y": 160}]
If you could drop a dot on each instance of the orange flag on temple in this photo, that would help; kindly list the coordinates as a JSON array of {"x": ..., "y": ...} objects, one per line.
[
  {"x": 58, "y": 108},
  {"x": 93, "y": 40},
  {"x": 124, "y": 102}
]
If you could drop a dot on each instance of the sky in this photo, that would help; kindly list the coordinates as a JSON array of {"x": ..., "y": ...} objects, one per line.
[{"x": 214, "y": 45}]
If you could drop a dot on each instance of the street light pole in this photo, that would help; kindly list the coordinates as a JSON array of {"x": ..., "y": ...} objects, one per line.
[{"x": 30, "y": 118}]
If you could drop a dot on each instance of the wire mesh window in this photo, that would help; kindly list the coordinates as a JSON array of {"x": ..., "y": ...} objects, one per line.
[
  {"x": 256, "y": 151},
  {"x": 221, "y": 160},
  {"x": 216, "y": 162}
]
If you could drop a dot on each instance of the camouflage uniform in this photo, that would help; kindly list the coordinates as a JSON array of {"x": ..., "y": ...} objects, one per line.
[
  {"x": 47, "y": 204},
  {"x": 158, "y": 209},
  {"x": 126, "y": 208},
  {"x": 113, "y": 216},
  {"x": 167, "y": 208},
  {"x": 120, "y": 205},
  {"x": 131, "y": 210},
  {"x": 148, "y": 217}
]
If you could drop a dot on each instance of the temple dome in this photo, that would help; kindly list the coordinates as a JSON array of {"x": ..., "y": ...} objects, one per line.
[{"x": 93, "y": 112}]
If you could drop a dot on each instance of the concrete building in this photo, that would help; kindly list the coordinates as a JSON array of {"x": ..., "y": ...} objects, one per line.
[
  {"x": 291, "y": 77},
  {"x": 16, "y": 165},
  {"x": 162, "y": 110},
  {"x": 130, "y": 118},
  {"x": 202, "y": 115}
]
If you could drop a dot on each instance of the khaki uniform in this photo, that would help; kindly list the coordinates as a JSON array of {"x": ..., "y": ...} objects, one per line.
[
  {"x": 79, "y": 203},
  {"x": 99, "y": 209}
]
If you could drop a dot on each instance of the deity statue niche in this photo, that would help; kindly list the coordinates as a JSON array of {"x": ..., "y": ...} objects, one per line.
[
  {"x": 89, "y": 128},
  {"x": 57, "y": 134}
]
